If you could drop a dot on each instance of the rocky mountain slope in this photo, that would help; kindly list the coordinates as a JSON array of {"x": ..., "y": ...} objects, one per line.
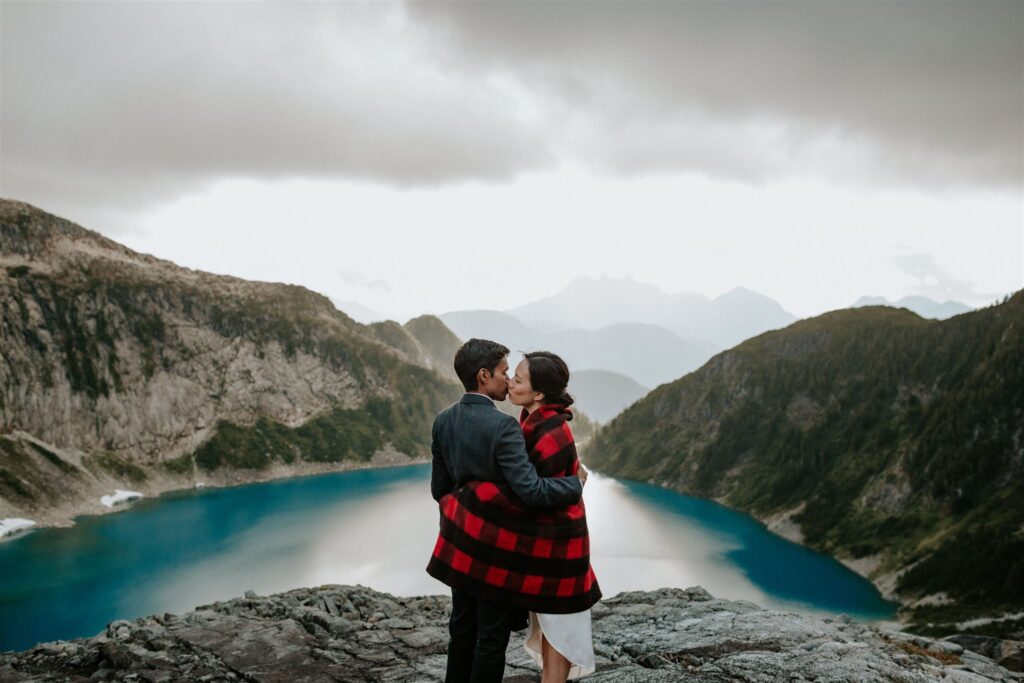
[
  {"x": 437, "y": 342},
  {"x": 893, "y": 442},
  {"x": 345, "y": 633},
  {"x": 123, "y": 370}
]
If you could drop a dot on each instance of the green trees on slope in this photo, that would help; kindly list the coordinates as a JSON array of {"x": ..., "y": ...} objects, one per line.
[{"x": 901, "y": 436}]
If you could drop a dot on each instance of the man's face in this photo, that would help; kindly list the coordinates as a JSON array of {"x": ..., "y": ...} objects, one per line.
[{"x": 496, "y": 382}]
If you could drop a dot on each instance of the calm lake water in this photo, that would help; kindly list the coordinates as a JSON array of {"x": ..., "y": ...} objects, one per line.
[{"x": 377, "y": 528}]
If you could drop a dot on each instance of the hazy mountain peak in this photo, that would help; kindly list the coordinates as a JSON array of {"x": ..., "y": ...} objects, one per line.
[
  {"x": 870, "y": 301},
  {"x": 604, "y": 393},
  {"x": 593, "y": 303},
  {"x": 922, "y": 305},
  {"x": 740, "y": 291}
]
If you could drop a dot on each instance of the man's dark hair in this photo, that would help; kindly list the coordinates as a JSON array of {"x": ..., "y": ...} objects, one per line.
[{"x": 476, "y": 354}]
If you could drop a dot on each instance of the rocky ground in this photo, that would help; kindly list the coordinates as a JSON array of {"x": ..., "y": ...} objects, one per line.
[{"x": 345, "y": 633}]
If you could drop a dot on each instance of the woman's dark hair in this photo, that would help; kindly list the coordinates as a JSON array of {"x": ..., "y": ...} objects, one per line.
[
  {"x": 476, "y": 354},
  {"x": 550, "y": 376}
]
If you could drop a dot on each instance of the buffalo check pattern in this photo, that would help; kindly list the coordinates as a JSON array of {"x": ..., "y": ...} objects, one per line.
[{"x": 494, "y": 548}]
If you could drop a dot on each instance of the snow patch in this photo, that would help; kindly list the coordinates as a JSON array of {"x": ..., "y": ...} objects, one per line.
[
  {"x": 14, "y": 525},
  {"x": 120, "y": 497}
]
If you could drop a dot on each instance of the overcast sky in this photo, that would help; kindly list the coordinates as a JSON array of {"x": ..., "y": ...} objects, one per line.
[{"x": 429, "y": 157}]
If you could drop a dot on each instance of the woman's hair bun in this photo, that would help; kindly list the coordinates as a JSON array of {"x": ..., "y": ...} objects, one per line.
[{"x": 550, "y": 376}]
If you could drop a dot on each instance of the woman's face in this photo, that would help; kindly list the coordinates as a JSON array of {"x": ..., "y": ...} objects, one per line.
[{"x": 520, "y": 392}]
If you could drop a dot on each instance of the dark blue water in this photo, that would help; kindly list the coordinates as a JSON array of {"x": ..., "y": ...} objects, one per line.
[
  {"x": 787, "y": 571},
  {"x": 377, "y": 527},
  {"x": 71, "y": 582}
]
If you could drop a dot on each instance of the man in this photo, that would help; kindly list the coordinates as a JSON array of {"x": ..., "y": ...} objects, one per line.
[{"x": 474, "y": 441}]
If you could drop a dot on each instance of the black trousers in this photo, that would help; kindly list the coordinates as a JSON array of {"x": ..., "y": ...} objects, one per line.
[{"x": 479, "y": 633}]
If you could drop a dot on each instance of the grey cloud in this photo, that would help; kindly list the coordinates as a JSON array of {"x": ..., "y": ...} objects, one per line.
[
  {"x": 927, "y": 92},
  {"x": 124, "y": 103}
]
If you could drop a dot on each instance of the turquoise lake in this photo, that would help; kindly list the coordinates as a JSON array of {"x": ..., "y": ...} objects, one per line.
[{"x": 377, "y": 528}]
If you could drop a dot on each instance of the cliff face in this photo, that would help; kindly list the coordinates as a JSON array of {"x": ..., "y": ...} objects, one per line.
[
  {"x": 346, "y": 633},
  {"x": 424, "y": 341},
  {"x": 893, "y": 442},
  {"x": 119, "y": 368},
  {"x": 438, "y": 343}
]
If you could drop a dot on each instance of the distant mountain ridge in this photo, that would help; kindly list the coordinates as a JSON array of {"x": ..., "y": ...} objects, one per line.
[
  {"x": 593, "y": 303},
  {"x": 891, "y": 441},
  {"x": 122, "y": 370},
  {"x": 922, "y": 305},
  {"x": 648, "y": 354},
  {"x": 604, "y": 394}
]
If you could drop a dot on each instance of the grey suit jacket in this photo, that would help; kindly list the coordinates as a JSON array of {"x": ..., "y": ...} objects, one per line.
[{"x": 474, "y": 441}]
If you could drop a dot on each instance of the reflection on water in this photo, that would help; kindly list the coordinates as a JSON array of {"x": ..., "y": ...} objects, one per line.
[
  {"x": 733, "y": 555},
  {"x": 378, "y": 528}
]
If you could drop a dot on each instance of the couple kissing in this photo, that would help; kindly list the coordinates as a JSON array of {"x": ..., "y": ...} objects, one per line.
[{"x": 513, "y": 544}]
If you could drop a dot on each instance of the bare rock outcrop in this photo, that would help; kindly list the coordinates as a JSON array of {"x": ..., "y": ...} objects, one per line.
[{"x": 346, "y": 633}]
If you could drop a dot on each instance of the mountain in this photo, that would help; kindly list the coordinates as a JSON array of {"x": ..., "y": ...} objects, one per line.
[
  {"x": 423, "y": 341},
  {"x": 604, "y": 394},
  {"x": 893, "y": 442},
  {"x": 729, "y": 318},
  {"x": 500, "y": 327},
  {"x": 648, "y": 354},
  {"x": 121, "y": 370},
  {"x": 922, "y": 305},
  {"x": 593, "y": 303},
  {"x": 438, "y": 343}
]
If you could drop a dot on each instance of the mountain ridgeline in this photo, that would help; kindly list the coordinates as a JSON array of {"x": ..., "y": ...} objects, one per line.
[
  {"x": 648, "y": 354},
  {"x": 893, "y": 442},
  {"x": 123, "y": 370},
  {"x": 595, "y": 303}
]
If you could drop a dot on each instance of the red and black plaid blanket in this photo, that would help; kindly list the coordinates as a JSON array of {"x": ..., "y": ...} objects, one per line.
[{"x": 494, "y": 548}]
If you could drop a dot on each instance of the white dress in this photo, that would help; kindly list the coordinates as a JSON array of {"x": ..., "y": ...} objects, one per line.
[{"x": 570, "y": 634}]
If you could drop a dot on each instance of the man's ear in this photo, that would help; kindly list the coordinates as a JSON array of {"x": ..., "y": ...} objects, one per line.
[{"x": 482, "y": 376}]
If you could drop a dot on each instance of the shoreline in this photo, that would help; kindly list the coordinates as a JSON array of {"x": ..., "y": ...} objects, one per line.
[
  {"x": 65, "y": 516},
  {"x": 781, "y": 524},
  {"x": 778, "y": 524}
]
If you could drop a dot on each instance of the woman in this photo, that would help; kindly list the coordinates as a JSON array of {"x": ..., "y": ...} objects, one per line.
[{"x": 560, "y": 643}]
